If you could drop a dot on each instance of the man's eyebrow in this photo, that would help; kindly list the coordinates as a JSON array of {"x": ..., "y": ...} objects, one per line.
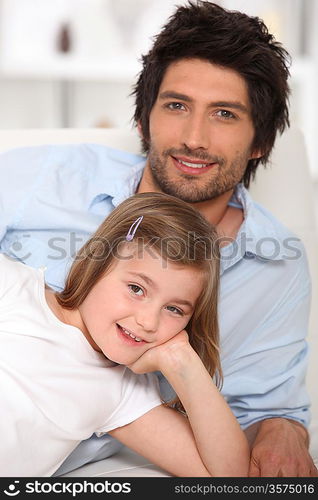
[
  {"x": 168, "y": 94},
  {"x": 217, "y": 104},
  {"x": 230, "y": 104}
]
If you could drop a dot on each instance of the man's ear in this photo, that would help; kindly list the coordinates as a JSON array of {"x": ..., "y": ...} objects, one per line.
[
  {"x": 256, "y": 154},
  {"x": 139, "y": 129}
]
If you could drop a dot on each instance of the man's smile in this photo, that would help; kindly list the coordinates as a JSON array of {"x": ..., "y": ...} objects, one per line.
[{"x": 191, "y": 166}]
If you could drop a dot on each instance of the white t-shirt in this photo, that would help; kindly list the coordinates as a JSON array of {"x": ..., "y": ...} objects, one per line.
[{"x": 55, "y": 390}]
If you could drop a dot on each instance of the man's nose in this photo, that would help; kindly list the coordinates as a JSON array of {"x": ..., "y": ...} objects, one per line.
[{"x": 196, "y": 132}]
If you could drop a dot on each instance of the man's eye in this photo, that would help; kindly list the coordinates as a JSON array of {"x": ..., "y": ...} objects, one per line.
[
  {"x": 175, "y": 310},
  {"x": 223, "y": 113},
  {"x": 136, "y": 290},
  {"x": 175, "y": 105}
]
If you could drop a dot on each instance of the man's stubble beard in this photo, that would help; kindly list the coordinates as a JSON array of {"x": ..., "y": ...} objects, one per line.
[{"x": 190, "y": 188}]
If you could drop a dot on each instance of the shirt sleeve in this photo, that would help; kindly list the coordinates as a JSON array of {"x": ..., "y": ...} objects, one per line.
[
  {"x": 139, "y": 394},
  {"x": 19, "y": 172},
  {"x": 10, "y": 274},
  {"x": 265, "y": 376}
]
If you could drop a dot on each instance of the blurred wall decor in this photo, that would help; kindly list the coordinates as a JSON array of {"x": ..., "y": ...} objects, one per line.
[{"x": 72, "y": 63}]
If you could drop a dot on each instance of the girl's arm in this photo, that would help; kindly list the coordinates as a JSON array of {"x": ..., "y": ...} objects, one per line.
[
  {"x": 210, "y": 441},
  {"x": 164, "y": 437}
]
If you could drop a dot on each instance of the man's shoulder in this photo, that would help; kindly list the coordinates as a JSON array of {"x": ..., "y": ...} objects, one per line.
[
  {"x": 83, "y": 153},
  {"x": 264, "y": 216},
  {"x": 261, "y": 218},
  {"x": 67, "y": 173}
]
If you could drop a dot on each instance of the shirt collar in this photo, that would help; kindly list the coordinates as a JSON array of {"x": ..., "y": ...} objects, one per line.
[
  {"x": 260, "y": 235},
  {"x": 128, "y": 186},
  {"x": 124, "y": 184}
]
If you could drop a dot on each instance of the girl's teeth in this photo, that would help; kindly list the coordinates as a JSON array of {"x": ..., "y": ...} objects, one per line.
[{"x": 137, "y": 339}]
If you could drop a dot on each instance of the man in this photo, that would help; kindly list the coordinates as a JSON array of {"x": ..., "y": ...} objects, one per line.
[{"x": 210, "y": 100}]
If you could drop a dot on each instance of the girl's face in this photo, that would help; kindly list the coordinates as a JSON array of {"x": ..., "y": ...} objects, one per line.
[{"x": 139, "y": 304}]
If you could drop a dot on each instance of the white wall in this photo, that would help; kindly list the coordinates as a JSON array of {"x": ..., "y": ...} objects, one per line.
[{"x": 90, "y": 86}]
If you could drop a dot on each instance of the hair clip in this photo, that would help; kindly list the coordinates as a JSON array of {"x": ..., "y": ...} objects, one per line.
[{"x": 133, "y": 228}]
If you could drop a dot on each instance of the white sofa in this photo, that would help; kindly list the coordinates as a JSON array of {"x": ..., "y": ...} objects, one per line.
[{"x": 285, "y": 188}]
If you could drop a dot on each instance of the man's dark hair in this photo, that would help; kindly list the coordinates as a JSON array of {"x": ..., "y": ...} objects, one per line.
[{"x": 206, "y": 31}]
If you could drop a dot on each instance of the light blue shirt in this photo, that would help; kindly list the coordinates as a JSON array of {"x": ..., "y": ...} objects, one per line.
[{"x": 52, "y": 198}]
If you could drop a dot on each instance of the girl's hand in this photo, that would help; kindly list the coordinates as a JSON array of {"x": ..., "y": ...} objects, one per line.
[{"x": 163, "y": 355}]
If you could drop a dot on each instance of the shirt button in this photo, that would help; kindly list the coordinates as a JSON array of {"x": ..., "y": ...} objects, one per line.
[{"x": 249, "y": 255}]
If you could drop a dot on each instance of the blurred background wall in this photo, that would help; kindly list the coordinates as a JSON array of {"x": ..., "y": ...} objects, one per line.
[{"x": 73, "y": 63}]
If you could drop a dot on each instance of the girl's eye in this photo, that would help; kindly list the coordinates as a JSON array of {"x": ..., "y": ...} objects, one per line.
[
  {"x": 223, "y": 113},
  {"x": 175, "y": 310},
  {"x": 136, "y": 290}
]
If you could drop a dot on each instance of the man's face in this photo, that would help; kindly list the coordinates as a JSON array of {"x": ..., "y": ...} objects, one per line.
[{"x": 201, "y": 131}]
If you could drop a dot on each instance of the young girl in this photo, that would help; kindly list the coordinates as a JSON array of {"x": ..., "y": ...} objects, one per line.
[{"x": 141, "y": 293}]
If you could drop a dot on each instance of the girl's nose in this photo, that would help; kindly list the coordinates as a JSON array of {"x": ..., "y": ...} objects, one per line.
[{"x": 147, "y": 318}]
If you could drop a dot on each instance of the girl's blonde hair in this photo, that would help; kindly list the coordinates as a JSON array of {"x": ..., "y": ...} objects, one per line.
[{"x": 178, "y": 233}]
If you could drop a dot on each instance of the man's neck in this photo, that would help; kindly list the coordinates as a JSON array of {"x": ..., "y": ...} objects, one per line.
[{"x": 216, "y": 210}]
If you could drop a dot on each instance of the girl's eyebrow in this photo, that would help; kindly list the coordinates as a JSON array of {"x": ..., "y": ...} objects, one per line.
[
  {"x": 146, "y": 278},
  {"x": 151, "y": 283},
  {"x": 183, "y": 302}
]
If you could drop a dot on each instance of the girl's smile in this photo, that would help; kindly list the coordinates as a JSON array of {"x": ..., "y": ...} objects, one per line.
[{"x": 128, "y": 336}]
